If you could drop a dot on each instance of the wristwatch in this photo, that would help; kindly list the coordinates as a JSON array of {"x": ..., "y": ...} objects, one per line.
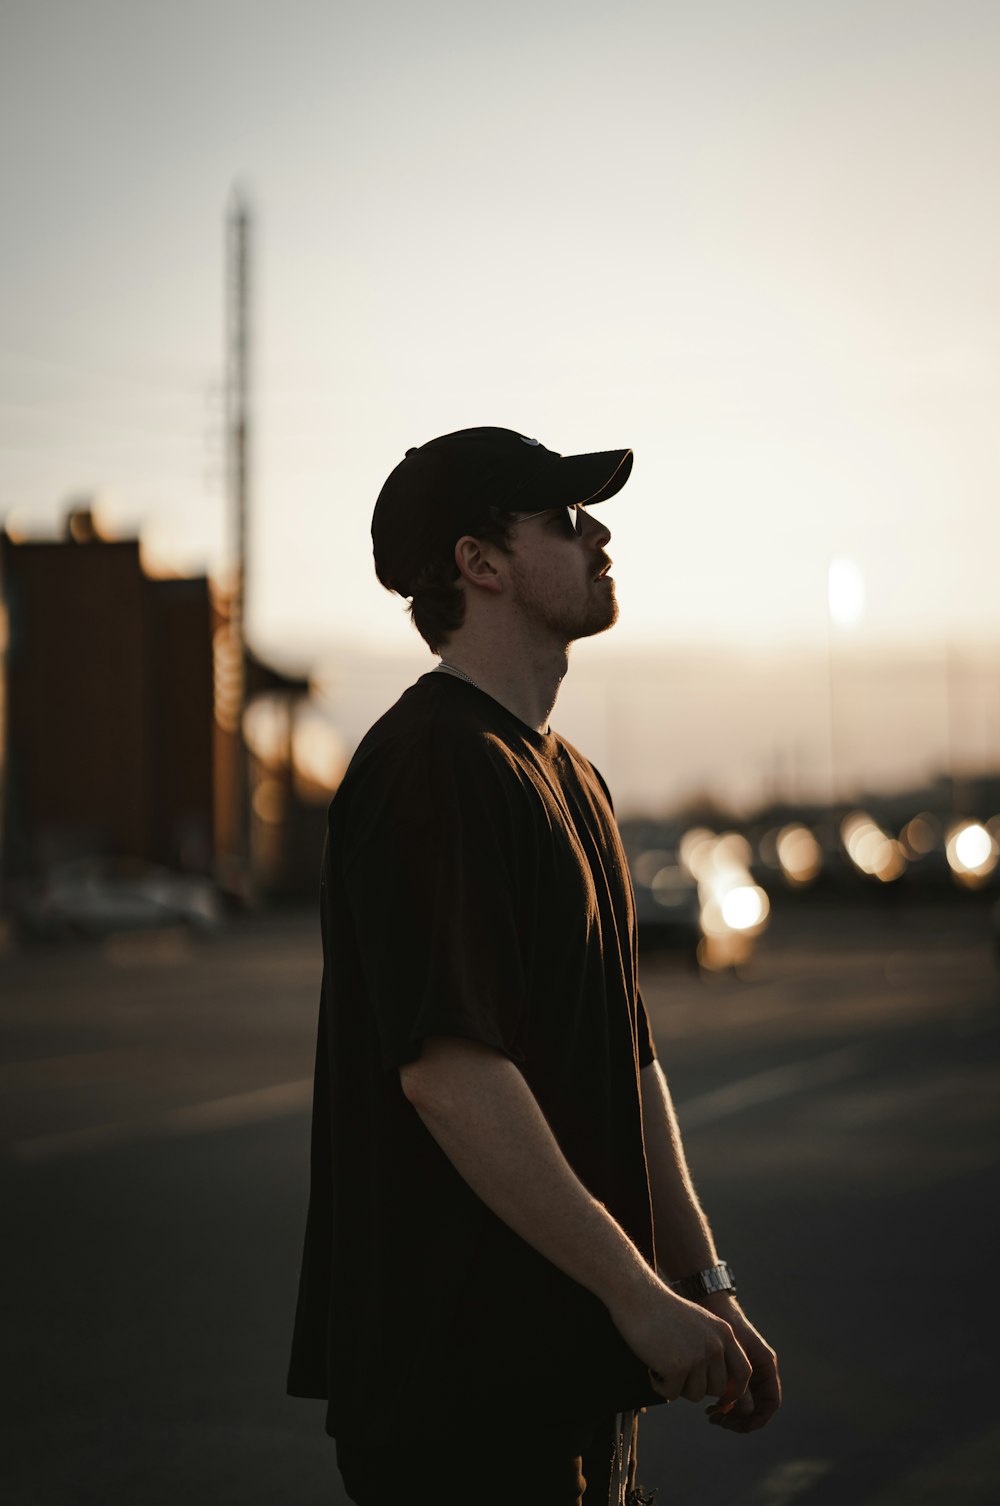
[{"x": 718, "y": 1278}]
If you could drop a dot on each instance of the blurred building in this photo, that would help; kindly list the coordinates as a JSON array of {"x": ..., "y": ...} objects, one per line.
[
  {"x": 107, "y": 735},
  {"x": 120, "y": 733}
]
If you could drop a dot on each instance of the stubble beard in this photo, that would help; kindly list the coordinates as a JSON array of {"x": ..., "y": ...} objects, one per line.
[{"x": 563, "y": 620}]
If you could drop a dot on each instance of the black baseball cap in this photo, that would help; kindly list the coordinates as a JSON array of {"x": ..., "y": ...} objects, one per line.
[{"x": 450, "y": 486}]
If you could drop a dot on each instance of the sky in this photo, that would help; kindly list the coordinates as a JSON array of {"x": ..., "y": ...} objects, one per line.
[{"x": 756, "y": 240}]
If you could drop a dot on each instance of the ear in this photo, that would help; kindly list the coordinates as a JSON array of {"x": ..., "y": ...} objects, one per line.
[{"x": 474, "y": 559}]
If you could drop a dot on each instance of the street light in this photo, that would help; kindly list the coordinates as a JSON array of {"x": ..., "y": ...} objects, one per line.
[{"x": 845, "y": 593}]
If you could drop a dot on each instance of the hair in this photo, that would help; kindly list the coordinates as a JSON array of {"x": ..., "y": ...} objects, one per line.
[{"x": 437, "y": 606}]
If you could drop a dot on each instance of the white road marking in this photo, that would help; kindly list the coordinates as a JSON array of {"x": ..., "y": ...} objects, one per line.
[
  {"x": 763, "y": 1087},
  {"x": 968, "y": 1473},
  {"x": 293, "y": 1097},
  {"x": 191, "y": 1119},
  {"x": 787, "y": 1481}
]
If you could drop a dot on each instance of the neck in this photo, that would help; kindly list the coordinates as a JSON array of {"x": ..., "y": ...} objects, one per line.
[{"x": 527, "y": 686}]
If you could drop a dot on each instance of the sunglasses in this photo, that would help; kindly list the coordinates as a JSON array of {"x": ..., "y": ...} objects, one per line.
[{"x": 573, "y": 513}]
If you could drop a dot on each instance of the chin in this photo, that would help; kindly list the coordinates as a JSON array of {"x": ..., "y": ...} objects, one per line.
[{"x": 598, "y": 622}]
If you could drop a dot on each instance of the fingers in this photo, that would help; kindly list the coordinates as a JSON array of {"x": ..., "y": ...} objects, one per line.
[
  {"x": 731, "y": 1407},
  {"x": 751, "y": 1411},
  {"x": 729, "y": 1380},
  {"x": 719, "y": 1377},
  {"x": 661, "y": 1387},
  {"x": 703, "y": 1379},
  {"x": 696, "y": 1386},
  {"x": 736, "y": 1423},
  {"x": 766, "y": 1399},
  {"x": 730, "y": 1384},
  {"x": 728, "y": 1396},
  {"x": 693, "y": 1387},
  {"x": 738, "y": 1367},
  {"x": 723, "y": 1370}
]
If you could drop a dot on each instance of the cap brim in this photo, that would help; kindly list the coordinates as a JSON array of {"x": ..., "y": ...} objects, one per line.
[
  {"x": 621, "y": 462},
  {"x": 578, "y": 479}
]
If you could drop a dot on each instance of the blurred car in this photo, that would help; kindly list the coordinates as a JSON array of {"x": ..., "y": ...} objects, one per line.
[{"x": 95, "y": 897}]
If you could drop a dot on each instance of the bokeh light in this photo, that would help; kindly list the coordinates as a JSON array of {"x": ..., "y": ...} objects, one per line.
[
  {"x": 972, "y": 853},
  {"x": 745, "y": 907},
  {"x": 798, "y": 853},
  {"x": 649, "y": 863},
  {"x": 921, "y": 835},
  {"x": 872, "y": 850},
  {"x": 734, "y": 910},
  {"x": 266, "y": 729},
  {"x": 670, "y": 886},
  {"x": 319, "y": 753}
]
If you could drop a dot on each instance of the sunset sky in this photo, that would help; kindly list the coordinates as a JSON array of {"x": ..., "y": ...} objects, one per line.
[{"x": 757, "y": 240}]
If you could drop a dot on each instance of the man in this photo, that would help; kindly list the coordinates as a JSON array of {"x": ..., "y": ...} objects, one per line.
[{"x": 500, "y": 1200}]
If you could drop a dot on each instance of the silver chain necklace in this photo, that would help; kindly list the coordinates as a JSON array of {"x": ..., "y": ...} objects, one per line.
[{"x": 461, "y": 673}]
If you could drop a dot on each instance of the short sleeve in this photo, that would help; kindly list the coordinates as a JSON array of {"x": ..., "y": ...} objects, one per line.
[
  {"x": 430, "y": 867},
  {"x": 645, "y": 1045}
]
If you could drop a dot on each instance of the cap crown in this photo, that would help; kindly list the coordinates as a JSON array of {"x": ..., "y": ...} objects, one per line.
[{"x": 448, "y": 487}]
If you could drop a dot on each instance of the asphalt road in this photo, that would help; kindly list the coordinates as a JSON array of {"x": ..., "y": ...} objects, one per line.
[{"x": 840, "y": 1102}]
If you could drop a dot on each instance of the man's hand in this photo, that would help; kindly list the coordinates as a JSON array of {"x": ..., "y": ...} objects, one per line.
[
  {"x": 762, "y": 1398},
  {"x": 689, "y": 1352}
]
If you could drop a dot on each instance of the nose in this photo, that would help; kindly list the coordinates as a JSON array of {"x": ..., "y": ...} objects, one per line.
[{"x": 595, "y": 532}]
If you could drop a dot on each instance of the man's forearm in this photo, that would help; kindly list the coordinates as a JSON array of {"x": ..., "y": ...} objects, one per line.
[
  {"x": 684, "y": 1242},
  {"x": 484, "y": 1116},
  {"x": 482, "y": 1113}
]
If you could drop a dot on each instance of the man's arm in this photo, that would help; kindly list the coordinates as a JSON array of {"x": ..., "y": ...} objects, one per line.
[
  {"x": 684, "y": 1244},
  {"x": 481, "y": 1112},
  {"x": 684, "y": 1240}
]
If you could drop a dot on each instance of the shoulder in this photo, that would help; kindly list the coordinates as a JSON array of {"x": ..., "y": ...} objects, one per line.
[
  {"x": 440, "y": 745},
  {"x": 433, "y": 776},
  {"x": 436, "y": 722}
]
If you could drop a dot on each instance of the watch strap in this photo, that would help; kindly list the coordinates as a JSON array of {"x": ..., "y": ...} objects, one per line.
[{"x": 717, "y": 1278}]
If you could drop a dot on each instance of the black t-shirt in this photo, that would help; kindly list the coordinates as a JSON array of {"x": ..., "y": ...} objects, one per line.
[{"x": 474, "y": 884}]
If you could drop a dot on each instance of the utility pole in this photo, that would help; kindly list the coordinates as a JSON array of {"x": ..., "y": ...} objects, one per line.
[{"x": 238, "y": 235}]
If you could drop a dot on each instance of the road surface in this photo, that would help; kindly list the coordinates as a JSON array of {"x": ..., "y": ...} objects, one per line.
[{"x": 840, "y": 1102}]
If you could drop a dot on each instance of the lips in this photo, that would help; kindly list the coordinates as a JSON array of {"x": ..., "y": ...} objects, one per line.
[{"x": 604, "y": 570}]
